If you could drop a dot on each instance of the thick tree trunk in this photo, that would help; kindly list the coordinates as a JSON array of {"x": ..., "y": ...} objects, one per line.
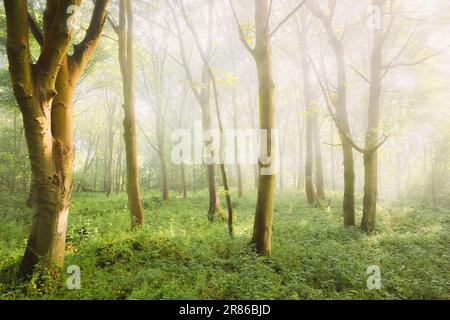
[
  {"x": 51, "y": 166},
  {"x": 262, "y": 229}
]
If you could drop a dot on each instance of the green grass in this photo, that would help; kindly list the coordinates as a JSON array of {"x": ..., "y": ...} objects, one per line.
[{"x": 180, "y": 255}]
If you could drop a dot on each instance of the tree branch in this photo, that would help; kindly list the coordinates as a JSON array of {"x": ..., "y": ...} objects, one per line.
[
  {"x": 241, "y": 32},
  {"x": 286, "y": 18},
  {"x": 17, "y": 45},
  {"x": 410, "y": 64},
  {"x": 358, "y": 73},
  {"x": 343, "y": 133},
  {"x": 86, "y": 48},
  {"x": 54, "y": 49},
  {"x": 184, "y": 61},
  {"x": 35, "y": 30}
]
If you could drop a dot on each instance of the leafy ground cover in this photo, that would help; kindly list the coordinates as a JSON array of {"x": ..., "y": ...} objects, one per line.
[{"x": 180, "y": 255}]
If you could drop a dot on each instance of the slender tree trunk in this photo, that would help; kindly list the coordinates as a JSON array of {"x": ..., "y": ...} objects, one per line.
[
  {"x": 202, "y": 96},
  {"x": 347, "y": 149},
  {"x": 341, "y": 114},
  {"x": 193, "y": 179},
  {"x": 210, "y": 168},
  {"x": 301, "y": 178},
  {"x": 126, "y": 53},
  {"x": 236, "y": 155},
  {"x": 309, "y": 161},
  {"x": 183, "y": 180},
  {"x": 332, "y": 159},
  {"x": 119, "y": 169},
  {"x": 109, "y": 170},
  {"x": 262, "y": 229},
  {"x": 320, "y": 184},
  {"x": 370, "y": 158},
  {"x": 163, "y": 165},
  {"x": 109, "y": 176},
  {"x": 17, "y": 149}
]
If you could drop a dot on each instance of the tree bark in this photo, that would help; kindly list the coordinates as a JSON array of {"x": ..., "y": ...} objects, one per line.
[
  {"x": 126, "y": 53},
  {"x": 372, "y": 134},
  {"x": 320, "y": 184},
  {"x": 109, "y": 170},
  {"x": 262, "y": 229},
  {"x": 341, "y": 115},
  {"x": 236, "y": 154},
  {"x": 183, "y": 180},
  {"x": 44, "y": 93},
  {"x": 309, "y": 158},
  {"x": 202, "y": 96}
]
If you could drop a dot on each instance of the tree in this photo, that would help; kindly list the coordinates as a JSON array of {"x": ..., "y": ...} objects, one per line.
[
  {"x": 124, "y": 31},
  {"x": 44, "y": 92},
  {"x": 311, "y": 115},
  {"x": 111, "y": 111},
  {"x": 341, "y": 108},
  {"x": 202, "y": 94},
  {"x": 262, "y": 55},
  {"x": 212, "y": 78},
  {"x": 157, "y": 84}
]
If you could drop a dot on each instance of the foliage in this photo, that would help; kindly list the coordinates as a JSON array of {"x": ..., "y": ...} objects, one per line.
[{"x": 179, "y": 255}]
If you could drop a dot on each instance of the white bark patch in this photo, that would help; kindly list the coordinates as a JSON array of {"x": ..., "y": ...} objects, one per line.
[{"x": 62, "y": 221}]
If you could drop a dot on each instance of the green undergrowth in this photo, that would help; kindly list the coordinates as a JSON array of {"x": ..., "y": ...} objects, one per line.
[{"x": 180, "y": 255}]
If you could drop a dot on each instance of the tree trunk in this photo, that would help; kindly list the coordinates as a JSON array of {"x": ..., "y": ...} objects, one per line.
[
  {"x": 236, "y": 151},
  {"x": 126, "y": 53},
  {"x": 17, "y": 149},
  {"x": 163, "y": 163},
  {"x": 110, "y": 156},
  {"x": 342, "y": 117},
  {"x": 44, "y": 92},
  {"x": 300, "y": 174},
  {"x": 262, "y": 229},
  {"x": 309, "y": 161},
  {"x": 320, "y": 185},
  {"x": 51, "y": 154},
  {"x": 183, "y": 181},
  {"x": 119, "y": 169},
  {"x": 210, "y": 168},
  {"x": 370, "y": 158},
  {"x": 202, "y": 96}
]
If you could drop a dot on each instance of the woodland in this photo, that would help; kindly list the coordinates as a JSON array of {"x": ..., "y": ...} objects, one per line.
[{"x": 224, "y": 149}]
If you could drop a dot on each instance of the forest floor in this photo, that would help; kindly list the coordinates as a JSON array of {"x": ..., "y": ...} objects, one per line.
[{"x": 180, "y": 255}]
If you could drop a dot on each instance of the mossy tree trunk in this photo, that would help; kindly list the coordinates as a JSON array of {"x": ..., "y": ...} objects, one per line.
[{"x": 44, "y": 92}]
